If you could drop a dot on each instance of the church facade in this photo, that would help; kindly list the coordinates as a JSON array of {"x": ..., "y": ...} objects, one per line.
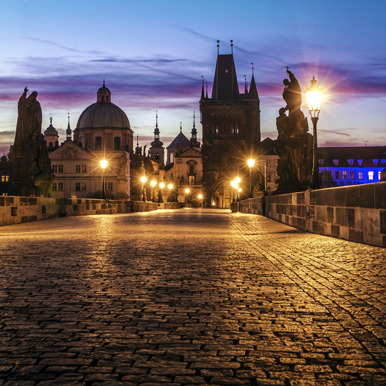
[{"x": 102, "y": 133}]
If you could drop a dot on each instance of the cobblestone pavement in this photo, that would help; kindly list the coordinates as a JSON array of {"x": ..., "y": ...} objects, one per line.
[{"x": 188, "y": 297}]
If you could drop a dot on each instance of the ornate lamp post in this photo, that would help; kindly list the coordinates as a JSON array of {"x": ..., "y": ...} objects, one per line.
[
  {"x": 143, "y": 181},
  {"x": 200, "y": 199},
  {"x": 160, "y": 198},
  {"x": 103, "y": 163},
  {"x": 170, "y": 187},
  {"x": 251, "y": 164},
  {"x": 314, "y": 96},
  {"x": 187, "y": 191},
  {"x": 153, "y": 183}
]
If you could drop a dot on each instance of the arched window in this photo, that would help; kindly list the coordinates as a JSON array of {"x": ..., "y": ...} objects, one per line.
[
  {"x": 156, "y": 156},
  {"x": 98, "y": 143},
  {"x": 117, "y": 143}
]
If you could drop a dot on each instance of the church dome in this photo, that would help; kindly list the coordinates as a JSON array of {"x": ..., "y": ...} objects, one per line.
[
  {"x": 103, "y": 113},
  {"x": 50, "y": 131}
]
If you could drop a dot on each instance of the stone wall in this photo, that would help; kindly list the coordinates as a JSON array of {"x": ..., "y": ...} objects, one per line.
[
  {"x": 15, "y": 210},
  {"x": 356, "y": 213}
]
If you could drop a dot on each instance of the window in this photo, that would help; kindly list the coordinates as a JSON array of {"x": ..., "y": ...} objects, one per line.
[
  {"x": 77, "y": 186},
  {"x": 117, "y": 143},
  {"x": 371, "y": 175},
  {"x": 77, "y": 168},
  {"x": 268, "y": 178},
  {"x": 55, "y": 168},
  {"x": 268, "y": 162},
  {"x": 81, "y": 169},
  {"x": 156, "y": 156},
  {"x": 359, "y": 161},
  {"x": 352, "y": 175},
  {"x": 375, "y": 161},
  {"x": 54, "y": 186},
  {"x": 276, "y": 162},
  {"x": 109, "y": 186},
  {"x": 360, "y": 175},
  {"x": 98, "y": 143},
  {"x": 321, "y": 162},
  {"x": 191, "y": 169},
  {"x": 171, "y": 158},
  {"x": 379, "y": 175},
  {"x": 337, "y": 176},
  {"x": 60, "y": 186},
  {"x": 84, "y": 168},
  {"x": 336, "y": 162},
  {"x": 84, "y": 188},
  {"x": 5, "y": 178},
  {"x": 344, "y": 174},
  {"x": 383, "y": 161},
  {"x": 351, "y": 162},
  {"x": 192, "y": 180}
]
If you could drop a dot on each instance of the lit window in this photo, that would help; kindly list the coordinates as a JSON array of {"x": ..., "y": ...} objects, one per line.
[
  {"x": 351, "y": 162},
  {"x": 359, "y": 161},
  {"x": 5, "y": 178},
  {"x": 371, "y": 175},
  {"x": 344, "y": 174},
  {"x": 379, "y": 175},
  {"x": 337, "y": 176},
  {"x": 321, "y": 162},
  {"x": 192, "y": 180},
  {"x": 336, "y": 162},
  {"x": 360, "y": 175},
  {"x": 276, "y": 162},
  {"x": 375, "y": 161},
  {"x": 268, "y": 162}
]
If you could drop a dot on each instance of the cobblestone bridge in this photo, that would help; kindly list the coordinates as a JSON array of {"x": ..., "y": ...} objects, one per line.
[{"x": 188, "y": 297}]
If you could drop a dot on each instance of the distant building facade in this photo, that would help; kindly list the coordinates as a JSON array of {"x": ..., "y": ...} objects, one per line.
[
  {"x": 231, "y": 130},
  {"x": 102, "y": 132}
]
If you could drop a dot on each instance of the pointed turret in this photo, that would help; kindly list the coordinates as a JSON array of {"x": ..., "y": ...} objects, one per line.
[
  {"x": 253, "y": 89},
  {"x": 193, "y": 139},
  {"x": 202, "y": 89},
  {"x": 68, "y": 131},
  {"x": 157, "y": 150}
]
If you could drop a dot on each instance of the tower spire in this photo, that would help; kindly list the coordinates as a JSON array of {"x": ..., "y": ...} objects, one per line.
[
  {"x": 232, "y": 47},
  {"x": 180, "y": 127},
  {"x": 202, "y": 88},
  {"x": 193, "y": 139},
  {"x": 218, "y": 47},
  {"x": 68, "y": 131}
]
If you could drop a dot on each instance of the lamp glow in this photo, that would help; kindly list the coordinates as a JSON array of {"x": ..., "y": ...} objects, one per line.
[
  {"x": 153, "y": 183},
  {"x": 314, "y": 96},
  {"x": 170, "y": 186},
  {"x": 103, "y": 163},
  {"x": 143, "y": 179},
  {"x": 251, "y": 163}
]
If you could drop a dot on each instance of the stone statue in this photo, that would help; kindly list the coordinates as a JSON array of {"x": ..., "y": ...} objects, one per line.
[
  {"x": 294, "y": 143},
  {"x": 32, "y": 167}
]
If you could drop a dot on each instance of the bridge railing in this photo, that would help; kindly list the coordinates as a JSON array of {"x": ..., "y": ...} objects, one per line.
[{"x": 356, "y": 213}]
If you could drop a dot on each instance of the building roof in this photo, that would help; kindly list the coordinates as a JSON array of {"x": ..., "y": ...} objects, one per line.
[
  {"x": 367, "y": 155},
  {"x": 225, "y": 86},
  {"x": 103, "y": 113},
  {"x": 179, "y": 141},
  {"x": 50, "y": 131}
]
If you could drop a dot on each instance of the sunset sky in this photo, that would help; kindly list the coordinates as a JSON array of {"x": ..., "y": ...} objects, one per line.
[{"x": 153, "y": 53}]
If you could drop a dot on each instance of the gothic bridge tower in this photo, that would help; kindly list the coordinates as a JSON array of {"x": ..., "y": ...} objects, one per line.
[{"x": 231, "y": 129}]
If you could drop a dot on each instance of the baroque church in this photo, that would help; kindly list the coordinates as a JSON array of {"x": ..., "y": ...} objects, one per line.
[{"x": 102, "y": 133}]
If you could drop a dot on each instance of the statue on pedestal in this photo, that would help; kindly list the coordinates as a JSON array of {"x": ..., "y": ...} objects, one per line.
[
  {"x": 32, "y": 167},
  {"x": 294, "y": 143}
]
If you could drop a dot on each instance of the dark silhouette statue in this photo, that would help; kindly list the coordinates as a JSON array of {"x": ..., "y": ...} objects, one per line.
[
  {"x": 294, "y": 143},
  {"x": 32, "y": 167}
]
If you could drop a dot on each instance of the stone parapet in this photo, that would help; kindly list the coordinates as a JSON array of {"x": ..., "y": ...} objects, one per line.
[
  {"x": 16, "y": 210},
  {"x": 356, "y": 213}
]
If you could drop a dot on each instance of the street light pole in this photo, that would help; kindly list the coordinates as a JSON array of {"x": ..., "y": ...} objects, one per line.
[
  {"x": 103, "y": 163},
  {"x": 251, "y": 164},
  {"x": 143, "y": 181},
  {"x": 314, "y": 96}
]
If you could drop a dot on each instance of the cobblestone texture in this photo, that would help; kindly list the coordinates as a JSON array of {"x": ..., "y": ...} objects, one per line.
[{"x": 188, "y": 297}]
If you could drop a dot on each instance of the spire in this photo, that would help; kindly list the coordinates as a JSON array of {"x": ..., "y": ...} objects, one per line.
[
  {"x": 156, "y": 142},
  {"x": 232, "y": 47},
  {"x": 218, "y": 47},
  {"x": 193, "y": 139},
  {"x": 138, "y": 149},
  {"x": 202, "y": 88},
  {"x": 206, "y": 90},
  {"x": 68, "y": 131},
  {"x": 253, "y": 89},
  {"x": 246, "y": 85}
]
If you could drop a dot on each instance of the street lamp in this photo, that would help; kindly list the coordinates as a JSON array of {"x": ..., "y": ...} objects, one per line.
[
  {"x": 200, "y": 196},
  {"x": 187, "y": 191},
  {"x": 314, "y": 96},
  {"x": 103, "y": 163},
  {"x": 153, "y": 183},
  {"x": 160, "y": 198},
  {"x": 143, "y": 180},
  {"x": 251, "y": 164},
  {"x": 170, "y": 187}
]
